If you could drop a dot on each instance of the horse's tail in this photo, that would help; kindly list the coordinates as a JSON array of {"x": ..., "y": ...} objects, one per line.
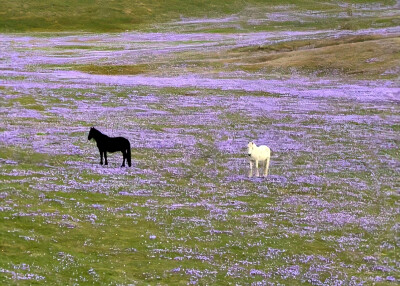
[{"x": 128, "y": 154}]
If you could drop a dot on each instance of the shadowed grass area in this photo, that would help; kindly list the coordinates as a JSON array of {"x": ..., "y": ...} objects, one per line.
[
  {"x": 106, "y": 16},
  {"x": 101, "y": 15},
  {"x": 113, "y": 69}
]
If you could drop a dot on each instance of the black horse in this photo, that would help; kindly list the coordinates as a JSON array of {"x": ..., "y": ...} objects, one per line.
[{"x": 111, "y": 144}]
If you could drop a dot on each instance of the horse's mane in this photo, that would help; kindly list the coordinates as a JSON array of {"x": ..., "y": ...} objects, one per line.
[{"x": 97, "y": 133}]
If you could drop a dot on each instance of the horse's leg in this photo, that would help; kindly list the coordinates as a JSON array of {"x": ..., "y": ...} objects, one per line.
[
  {"x": 251, "y": 169},
  {"x": 105, "y": 158},
  {"x": 266, "y": 166},
  {"x": 123, "y": 156},
  {"x": 101, "y": 157},
  {"x": 257, "y": 172}
]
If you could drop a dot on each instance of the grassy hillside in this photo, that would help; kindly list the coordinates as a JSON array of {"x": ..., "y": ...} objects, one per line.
[
  {"x": 119, "y": 15},
  {"x": 358, "y": 57},
  {"x": 368, "y": 57}
]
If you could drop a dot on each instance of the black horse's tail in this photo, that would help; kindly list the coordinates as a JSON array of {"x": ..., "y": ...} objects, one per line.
[{"x": 128, "y": 154}]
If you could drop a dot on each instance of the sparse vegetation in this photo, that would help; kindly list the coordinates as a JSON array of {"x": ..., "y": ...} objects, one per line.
[{"x": 369, "y": 59}]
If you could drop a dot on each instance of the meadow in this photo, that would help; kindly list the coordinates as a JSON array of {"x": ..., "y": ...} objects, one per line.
[{"x": 189, "y": 84}]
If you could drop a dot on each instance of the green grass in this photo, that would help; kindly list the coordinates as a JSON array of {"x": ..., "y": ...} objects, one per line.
[
  {"x": 117, "y": 248},
  {"x": 111, "y": 16},
  {"x": 67, "y": 219},
  {"x": 101, "y": 15},
  {"x": 113, "y": 69}
]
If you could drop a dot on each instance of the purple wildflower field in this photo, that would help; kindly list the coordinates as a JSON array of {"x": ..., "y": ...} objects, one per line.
[{"x": 186, "y": 212}]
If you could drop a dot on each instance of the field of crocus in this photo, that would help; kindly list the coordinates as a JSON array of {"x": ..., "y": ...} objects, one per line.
[{"x": 189, "y": 95}]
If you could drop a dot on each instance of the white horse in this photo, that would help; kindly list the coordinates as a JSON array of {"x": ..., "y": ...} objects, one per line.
[{"x": 258, "y": 153}]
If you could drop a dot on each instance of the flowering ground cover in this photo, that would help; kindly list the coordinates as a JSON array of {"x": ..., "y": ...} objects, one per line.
[{"x": 185, "y": 212}]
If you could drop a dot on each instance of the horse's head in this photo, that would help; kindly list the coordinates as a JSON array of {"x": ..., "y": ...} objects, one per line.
[
  {"x": 91, "y": 133},
  {"x": 250, "y": 147}
]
